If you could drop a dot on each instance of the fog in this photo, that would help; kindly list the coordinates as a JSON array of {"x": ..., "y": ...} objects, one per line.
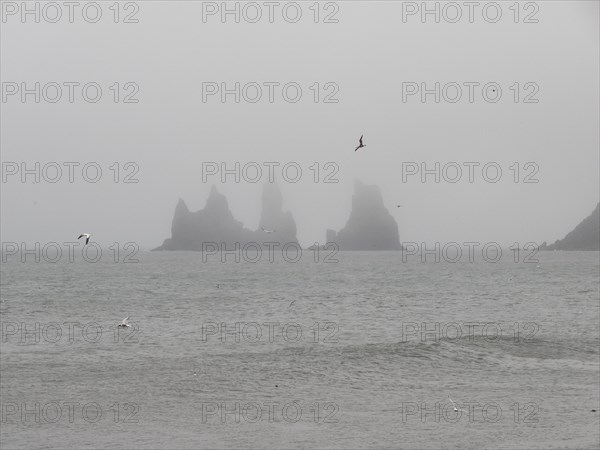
[{"x": 172, "y": 130}]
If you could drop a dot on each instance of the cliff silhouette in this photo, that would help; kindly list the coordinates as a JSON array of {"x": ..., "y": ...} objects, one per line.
[{"x": 585, "y": 236}]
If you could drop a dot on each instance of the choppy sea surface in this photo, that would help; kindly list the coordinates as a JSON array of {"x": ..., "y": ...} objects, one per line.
[{"x": 359, "y": 353}]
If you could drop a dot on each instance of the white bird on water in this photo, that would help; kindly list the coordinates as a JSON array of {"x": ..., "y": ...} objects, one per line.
[
  {"x": 124, "y": 323},
  {"x": 86, "y": 236},
  {"x": 451, "y": 401}
]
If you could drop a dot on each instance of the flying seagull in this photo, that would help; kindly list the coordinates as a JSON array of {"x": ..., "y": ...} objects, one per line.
[
  {"x": 124, "y": 323},
  {"x": 86, "y": 236},
  {"x": 268, "y": 231},
  {"x": 398, "y": 206},
  {"x": 361, "y": 143},
  {"x": 293, "y": 301}
]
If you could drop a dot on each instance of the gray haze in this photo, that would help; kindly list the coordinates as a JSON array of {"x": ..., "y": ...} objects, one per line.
[{"x": 369, "y": 53}]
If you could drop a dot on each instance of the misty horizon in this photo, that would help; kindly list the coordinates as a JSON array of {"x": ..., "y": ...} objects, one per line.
[
  {"x": 558, "y": 133},
  {"x": 316, "y": 224}
]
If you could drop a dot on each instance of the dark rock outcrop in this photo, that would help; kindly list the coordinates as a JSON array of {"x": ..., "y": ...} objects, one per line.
[
  {"x": 273, "y": 218},
  {"x": 585, "y": 236},
  {"x": 216, "y": 224},
  {"x": 370, "y": 225}
]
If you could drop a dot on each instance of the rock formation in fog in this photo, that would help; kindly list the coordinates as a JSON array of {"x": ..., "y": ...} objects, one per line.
[
  {"x": 215, "y": 223},
  {"x": 370, "y": 225},
  {"x": 272, "y": 216},
  {"x": 585, "y": 236}
]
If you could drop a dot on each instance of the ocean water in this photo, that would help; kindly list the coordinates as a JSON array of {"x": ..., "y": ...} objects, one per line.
[{"x": 358, "y": 353}]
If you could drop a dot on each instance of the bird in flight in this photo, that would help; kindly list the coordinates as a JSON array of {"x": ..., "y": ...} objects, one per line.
[
  {"x": 268, "y": 231},
  {"x": 124, "y": 323},
  {"x": 361, "y": 143},
  {"x": 293, "y": 301},
  {"x": 398, "y": 206},
  {"x": 86, "y": 236}
]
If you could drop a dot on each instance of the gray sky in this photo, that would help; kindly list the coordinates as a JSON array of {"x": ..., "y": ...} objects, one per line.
[{"x": 368, "y": 54}]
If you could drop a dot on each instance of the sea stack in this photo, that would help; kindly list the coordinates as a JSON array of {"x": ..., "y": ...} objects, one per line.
[
  {"x": 370, "y": 226},
  {"x": 216, "y": 224}
]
